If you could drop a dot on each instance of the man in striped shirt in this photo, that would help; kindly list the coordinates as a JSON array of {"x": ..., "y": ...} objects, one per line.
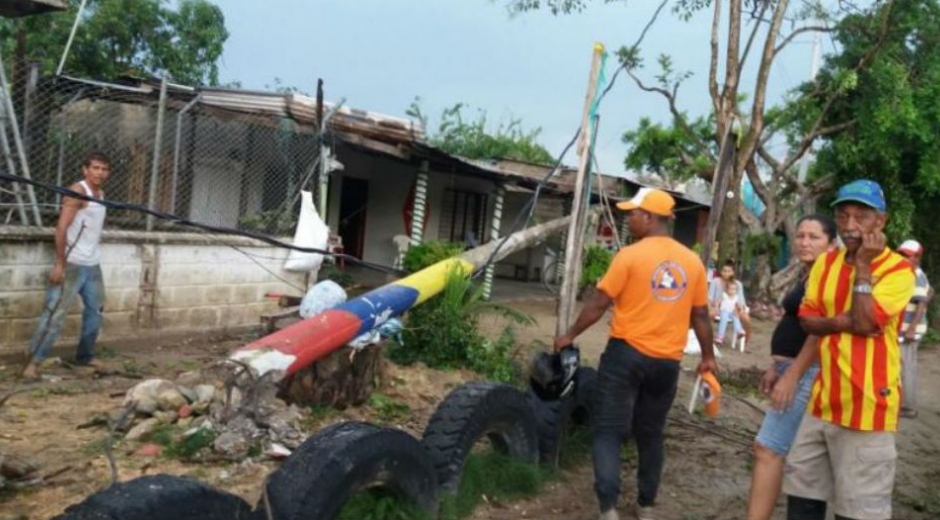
[
  {"x": 844, "y": 452},
  {"x": 913, "y": 328}
]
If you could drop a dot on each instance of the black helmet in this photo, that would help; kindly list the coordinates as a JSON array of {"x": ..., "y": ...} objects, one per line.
[{"x": 551, "y": 376}]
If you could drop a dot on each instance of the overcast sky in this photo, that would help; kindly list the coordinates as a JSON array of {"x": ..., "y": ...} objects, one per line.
[{"x": 380, "y": 54}]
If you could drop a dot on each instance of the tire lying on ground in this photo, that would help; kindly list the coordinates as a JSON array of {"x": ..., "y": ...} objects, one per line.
[
  {"x": 342, "y": 460},
  {"x": 553, "y": 419},
  {"x": 473, "y": 412},
  {"x": 160, "y": 496}
]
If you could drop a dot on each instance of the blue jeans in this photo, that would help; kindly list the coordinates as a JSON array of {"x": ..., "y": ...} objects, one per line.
[
  {"x": 80, "y": 280},
  {"x": 632, "y": 398},
  {"x": 723, "y": 324},
  {"x": 778, "y": 430}
]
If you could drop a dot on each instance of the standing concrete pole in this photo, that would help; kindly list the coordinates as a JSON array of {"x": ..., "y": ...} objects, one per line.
[
  {"x": 494, "y": 236},
  {"x": 157, "y": 145},
  {"x": 420, "y": 204},
  {"x": 573, "y": 247}
]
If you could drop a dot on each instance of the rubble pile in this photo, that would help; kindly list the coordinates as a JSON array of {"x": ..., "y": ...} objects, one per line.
[{"x": 241, "y": 412}]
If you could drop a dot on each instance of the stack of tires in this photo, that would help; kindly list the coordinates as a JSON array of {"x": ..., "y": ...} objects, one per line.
[{"x": 347, "y": 458}]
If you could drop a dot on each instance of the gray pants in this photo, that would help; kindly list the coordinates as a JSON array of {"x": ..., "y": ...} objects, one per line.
[{"x": 909, "y": 375}]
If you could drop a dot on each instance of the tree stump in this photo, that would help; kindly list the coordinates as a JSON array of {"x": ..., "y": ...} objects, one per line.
[{"x": 344, "y": 378}]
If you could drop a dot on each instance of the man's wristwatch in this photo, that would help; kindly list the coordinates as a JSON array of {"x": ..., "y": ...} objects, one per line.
[{"x": 862, "y": 287}]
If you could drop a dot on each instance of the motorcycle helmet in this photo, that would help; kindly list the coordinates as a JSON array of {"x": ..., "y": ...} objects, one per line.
[{"x": 552, "y": 376}]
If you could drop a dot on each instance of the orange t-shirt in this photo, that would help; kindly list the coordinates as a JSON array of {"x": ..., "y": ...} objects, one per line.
[{"x": 654, "y": 284}]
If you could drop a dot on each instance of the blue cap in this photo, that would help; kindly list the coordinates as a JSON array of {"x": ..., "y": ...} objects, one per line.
[{"x": 864, "y": 192}]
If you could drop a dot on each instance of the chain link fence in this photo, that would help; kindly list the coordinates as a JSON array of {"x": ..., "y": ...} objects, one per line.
[{"x": 228, "y": 161}]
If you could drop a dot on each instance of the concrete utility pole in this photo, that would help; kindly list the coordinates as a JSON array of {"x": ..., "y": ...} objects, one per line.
[{"x": 575, "y": 237}]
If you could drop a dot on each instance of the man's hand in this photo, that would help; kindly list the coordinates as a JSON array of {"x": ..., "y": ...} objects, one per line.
[
  {"x": 910, "y": 335},
  {"x": 707, "y": 364},
  {"x": 57, "y": 274},
  {"x": 873, "y": 244},
  {"x": 768, "y": 380},
  {"x": 563, "y": 342}
]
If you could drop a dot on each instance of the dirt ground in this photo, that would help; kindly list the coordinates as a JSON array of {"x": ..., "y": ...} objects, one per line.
[{"x": 707, "y": 469}]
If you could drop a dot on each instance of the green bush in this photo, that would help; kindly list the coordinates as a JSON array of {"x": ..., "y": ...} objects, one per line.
[
  {"x": 429, "y": 253},
  {"x": 594, "y": 264},
  {"x": 443, "y": 333}
]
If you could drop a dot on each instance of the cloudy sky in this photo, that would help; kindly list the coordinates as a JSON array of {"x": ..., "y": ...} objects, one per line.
[{"x": 380, "y": 54}]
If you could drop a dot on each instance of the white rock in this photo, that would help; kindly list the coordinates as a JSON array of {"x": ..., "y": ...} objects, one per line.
[
  {"x": 204, "y": 393},
  {"x": 171, "y": 400},
  {"x": 188, "y": 393},
  {"x": 190, "y": 379},
  {"x": 168, "y": 417},
  {"x": 146, "y": 426},
  {"x": 148, "y": 389}
]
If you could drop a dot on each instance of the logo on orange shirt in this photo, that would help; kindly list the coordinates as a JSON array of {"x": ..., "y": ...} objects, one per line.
[{"x": 669, "y": 282}]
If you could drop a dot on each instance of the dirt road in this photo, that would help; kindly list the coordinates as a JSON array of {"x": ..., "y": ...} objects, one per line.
[{"x": 706, "y": 474}]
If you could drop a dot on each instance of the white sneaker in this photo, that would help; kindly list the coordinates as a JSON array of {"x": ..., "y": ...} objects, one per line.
[
  {"x": 610, "y": 514},
  {"x": 645, "y": 513}
]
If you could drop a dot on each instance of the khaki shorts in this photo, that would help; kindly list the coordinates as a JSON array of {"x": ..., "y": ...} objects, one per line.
[{"x": 853, "y": 470}]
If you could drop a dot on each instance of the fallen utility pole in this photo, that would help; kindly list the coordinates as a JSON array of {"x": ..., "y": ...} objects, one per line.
[
  {"x": 575, "y": 243},
  {"x": 303, "y": 343}
]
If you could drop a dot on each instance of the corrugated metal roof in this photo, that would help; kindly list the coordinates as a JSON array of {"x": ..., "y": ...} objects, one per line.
[{"x": 20, "y": 8}]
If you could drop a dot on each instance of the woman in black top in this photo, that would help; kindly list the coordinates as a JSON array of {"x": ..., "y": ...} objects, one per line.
[{"x": 815, "y": 234}]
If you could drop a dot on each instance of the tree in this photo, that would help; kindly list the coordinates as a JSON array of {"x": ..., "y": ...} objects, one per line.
[
  {"x": 472, "y": 139},
  {"x": 118, "y": 37},
  {"x": 754, "y": 30},
  {"x": 896, "y": 140}
]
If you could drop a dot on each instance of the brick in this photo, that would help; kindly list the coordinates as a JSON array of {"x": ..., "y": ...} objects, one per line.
[
  {"x": 173, "y": 318},
  {"x": 204, "y": 317},
  {"x": 29, "y": 253},
  {"x": 119, "y": 323},
  {"x": 21, "y": 304},
  {"x": 218, "y": 295},
  {"x": 246, "y": 294}
]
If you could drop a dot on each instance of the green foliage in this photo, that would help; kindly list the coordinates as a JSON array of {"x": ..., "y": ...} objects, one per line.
[
  {"x": 594, "y": 264},
  {"x": 670, "y": 152},
  {"x": 895, "y": 138},
  {"x": 494, "y": 476},
  {"x": 443, "y": 333},
  {"x": 761, "y": 244},
  {"x": 119, "y": 37},
  {"x": 271, "y": 222},
  {"x": 387, "y": 409},
  {"x": 426, "y": 254},
  {"x": 329, "y": 272},
  {"x": 380, "y": 504},
  {"x": 470, "y": 137},
  {"x": 177, "y": 446}
]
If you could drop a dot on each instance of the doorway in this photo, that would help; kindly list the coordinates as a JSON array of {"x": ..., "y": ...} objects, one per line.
[{"x": 354, "y": 198}]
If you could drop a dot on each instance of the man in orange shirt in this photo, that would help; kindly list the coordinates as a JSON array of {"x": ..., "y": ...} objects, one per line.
[
  {"x": 657, "y": 287},
  {"x": 844, "y": 452}
]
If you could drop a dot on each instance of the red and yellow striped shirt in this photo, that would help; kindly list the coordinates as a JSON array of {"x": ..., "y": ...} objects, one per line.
[{"x": 858, "y": 385}]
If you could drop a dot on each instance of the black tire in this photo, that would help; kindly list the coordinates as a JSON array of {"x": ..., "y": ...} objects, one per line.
[
  {"x": 160, "y": 496},
  {"x": 554, "y": 418},
  {"x": 471, "y": 412},
  {"x": 344, "y": 459}
]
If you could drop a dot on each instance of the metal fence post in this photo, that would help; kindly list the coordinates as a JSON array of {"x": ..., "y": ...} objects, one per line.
[
  {"x": 494, "y": 236},
  {"x": 158, "y": 141},
  {"x": 18, "y": 141},
  {"x": 176, "y": 150}
]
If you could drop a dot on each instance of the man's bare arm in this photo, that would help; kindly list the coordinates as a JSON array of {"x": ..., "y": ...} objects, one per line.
[
  {"x": 593, "y": 311},
  {"x": 70, "y": 207}
]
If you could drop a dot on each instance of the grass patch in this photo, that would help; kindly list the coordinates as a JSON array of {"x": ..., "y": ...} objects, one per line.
[
  {"x": 387, "y": 409},
  {"x": 380, "y": 504},
  {"x": 95, "y": 447},
  {"x": 575, "y": 448},
  {"x": 495, "y": 476},
  {"x": 178, "y": 447}
]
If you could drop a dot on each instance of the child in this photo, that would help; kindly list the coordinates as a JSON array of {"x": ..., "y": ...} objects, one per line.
[{"x": 729, "y": 309}]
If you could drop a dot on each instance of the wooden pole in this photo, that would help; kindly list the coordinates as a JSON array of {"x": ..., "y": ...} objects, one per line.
[
  {"x": 575, "y": 238},
  {"x": 719, "y": 191}
]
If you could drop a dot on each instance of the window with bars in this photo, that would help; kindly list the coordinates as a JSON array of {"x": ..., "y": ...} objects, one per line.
[{"x": 463, "y": 217}]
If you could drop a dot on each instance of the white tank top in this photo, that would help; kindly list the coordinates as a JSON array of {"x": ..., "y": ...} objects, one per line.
[{"x": 84, "y": 234}]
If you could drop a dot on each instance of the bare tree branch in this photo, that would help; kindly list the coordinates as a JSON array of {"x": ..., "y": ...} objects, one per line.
[
  {"x": 807, "y": 140},
  {"x": 750, "y": 39},
  {"x": 678, "y": 117},
  {"x": 713, "y": 64},
  {"x": 810, "y": 28}
]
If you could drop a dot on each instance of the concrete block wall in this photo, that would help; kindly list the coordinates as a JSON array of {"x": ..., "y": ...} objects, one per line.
[{"x": 154, "y": 282}]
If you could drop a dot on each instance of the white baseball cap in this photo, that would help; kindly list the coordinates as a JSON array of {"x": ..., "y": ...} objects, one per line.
[{"x": 911, "y": 247}]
